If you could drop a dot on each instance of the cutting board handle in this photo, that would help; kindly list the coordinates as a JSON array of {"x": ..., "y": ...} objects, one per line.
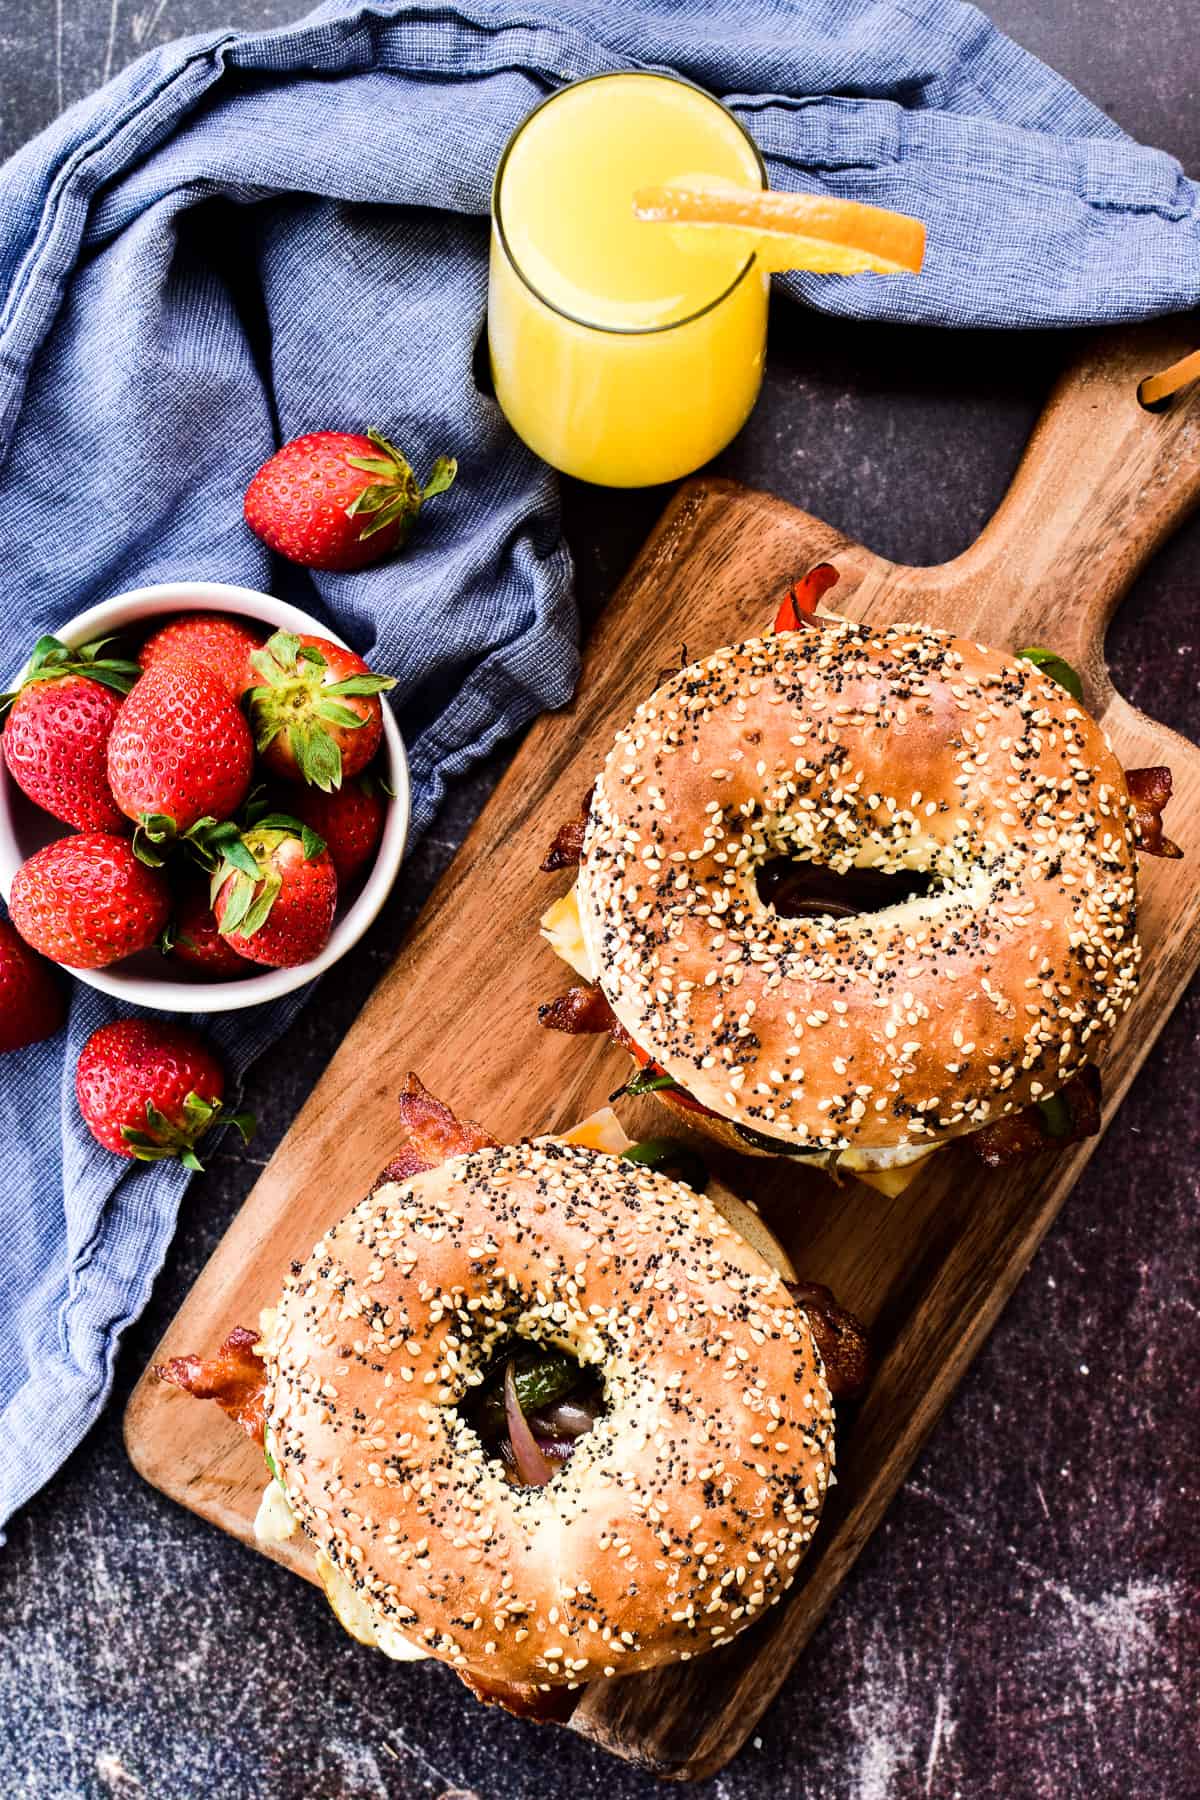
[{"x": 1102, "y": 483}]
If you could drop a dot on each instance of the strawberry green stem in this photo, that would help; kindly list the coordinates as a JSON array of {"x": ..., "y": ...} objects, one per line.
[
  {"x": 52, "y": 659},
  {"x": 294, "y": 698},
  {"x": 163, "y": 1139}
]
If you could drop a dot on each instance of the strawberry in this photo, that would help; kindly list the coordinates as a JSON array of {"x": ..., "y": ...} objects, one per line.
[
  {"x": 192, "y": 937},
  {"x": 56, "y": 733},
  {"x": 274, "y": 891},
  {"x": 222, "y": 645},
  {"x": 334, "y": 500},
  {"x": 150, "y": 1091},
  {"x": 350, "y": 821},
  {"x": 317, "y": 717},
  {"x": 87, "y": 901},
  {"x": 31, "y": 1001},
  {"x": 180, "y": 751}
]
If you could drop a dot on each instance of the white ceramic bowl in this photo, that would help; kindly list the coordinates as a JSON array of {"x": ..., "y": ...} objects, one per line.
[{"x": 151, "y": 979}]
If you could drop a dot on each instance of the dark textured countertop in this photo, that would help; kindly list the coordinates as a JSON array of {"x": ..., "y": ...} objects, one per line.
[{"x": 1025, "y": 1623}]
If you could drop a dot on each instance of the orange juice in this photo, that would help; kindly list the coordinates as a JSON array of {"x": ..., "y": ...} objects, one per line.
[{"x": 622, "y": 352}]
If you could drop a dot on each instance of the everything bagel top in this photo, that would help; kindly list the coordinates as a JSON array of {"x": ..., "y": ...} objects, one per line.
[
  {"x": 680, "y": 1516},
  {"x": 855, "y": 746}
]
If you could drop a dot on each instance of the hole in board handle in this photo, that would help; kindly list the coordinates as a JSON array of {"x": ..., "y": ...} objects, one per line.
[{"x": 1157, "y": 391}]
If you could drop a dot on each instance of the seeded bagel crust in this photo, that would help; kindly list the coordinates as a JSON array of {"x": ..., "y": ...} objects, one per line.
[
  {"x": 680, "y": 1516},
  {"x": 897, "y": 748}
]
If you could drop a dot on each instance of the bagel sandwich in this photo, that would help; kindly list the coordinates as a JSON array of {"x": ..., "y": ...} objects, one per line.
[
  {"x": 542, "y": 1411},
  {"x": 847, "y": 893}
]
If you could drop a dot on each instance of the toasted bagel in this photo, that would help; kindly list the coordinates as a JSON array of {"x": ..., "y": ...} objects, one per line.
[
  {"x": 898, "y": 749},
  {"x": 681, "y": 1515}
]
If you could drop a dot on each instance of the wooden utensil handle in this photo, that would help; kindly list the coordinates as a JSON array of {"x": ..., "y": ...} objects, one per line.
[{"x": 1102, "y": 482}]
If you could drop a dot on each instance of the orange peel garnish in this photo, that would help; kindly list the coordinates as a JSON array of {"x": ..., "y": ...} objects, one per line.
[{"x": 793, "y": 231}]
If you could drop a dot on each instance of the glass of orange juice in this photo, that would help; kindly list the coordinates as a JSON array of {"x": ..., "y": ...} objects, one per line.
[{"x": 622, "y": 353}]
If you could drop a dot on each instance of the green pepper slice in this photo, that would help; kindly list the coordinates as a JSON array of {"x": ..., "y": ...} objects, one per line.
[
  {"x": 646, "y": 1083},
  {"x": 542, "y": 1375},
  {"x": 271, "y": 1463},
  {"x": 1055, "y": 666},
  {"x": 1056, "y": 1116},
  {"x": 670, "y": 1157}
]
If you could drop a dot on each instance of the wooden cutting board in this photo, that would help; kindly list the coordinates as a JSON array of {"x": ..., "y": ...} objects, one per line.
[{"x": 1101, "y": 484}]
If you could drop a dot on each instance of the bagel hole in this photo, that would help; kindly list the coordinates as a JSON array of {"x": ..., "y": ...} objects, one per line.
[
  {"x": 798, "y": 889},
  {"x": 561, "y": 1400}
]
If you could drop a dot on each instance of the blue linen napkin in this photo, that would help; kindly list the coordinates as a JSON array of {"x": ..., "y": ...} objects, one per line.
[{"x": 247, "y": 235}]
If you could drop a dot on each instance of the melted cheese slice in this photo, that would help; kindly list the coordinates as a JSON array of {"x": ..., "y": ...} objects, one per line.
[
  {"x": 562, "y": 929},
  {"x": 892, "y": 1181},
  {"x": 600, "y": 1131}
]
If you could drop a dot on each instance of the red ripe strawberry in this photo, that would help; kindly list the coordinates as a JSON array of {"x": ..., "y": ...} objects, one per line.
[
  {"x": 31, "y": 1000},
  {"x": 193, "y": 938},
  {"x": 180, "y": 751},
  {"x": 87, "y": 901},
  {"x": 334, "y": 500},
  {"x": 350, "y": 821},
  {"x": 220, "y": 644},
  {"x": 150, "y": 1091},
  {"x": 317, "y": 716},
  {"x": 274, "y": 893},
  {"x": 56, "y": 734}
]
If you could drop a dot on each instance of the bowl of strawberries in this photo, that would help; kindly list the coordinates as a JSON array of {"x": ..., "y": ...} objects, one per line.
[{"x": 203, "y": 798}]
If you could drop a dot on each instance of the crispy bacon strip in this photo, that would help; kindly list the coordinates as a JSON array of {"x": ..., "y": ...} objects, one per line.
[
  {"x": 839, "y": 1336},
  {"x": 434, "y": 1133},
  {"x": 1010, "y": 1139},
  {"x": 1150, "y": 789},
  {"x": 567, "y": 847},
  {"x": 1028, "y": 1132},
  {"x": 582, "y": 1010},
  {"x": 545, "y": 1706},
  {"x": 405, "y": 1164},
  {"x": 235, "y": 1378}
]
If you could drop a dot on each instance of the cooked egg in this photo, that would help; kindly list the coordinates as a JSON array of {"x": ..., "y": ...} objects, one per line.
[
  {"x": 358, "y": 1617},
  {"x": 274, "y": 1522}
]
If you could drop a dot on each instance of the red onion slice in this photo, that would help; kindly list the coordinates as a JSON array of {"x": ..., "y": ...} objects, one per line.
[
  {"x": 555, "y": 1449},
  {"x": 566, "y": 1418},
  {"x": 533, "y": 1467},
  {"x": 559, "y": 1450}
]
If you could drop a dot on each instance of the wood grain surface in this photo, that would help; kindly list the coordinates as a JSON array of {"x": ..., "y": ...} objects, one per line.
[{"x": 1101, "y": 484}]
